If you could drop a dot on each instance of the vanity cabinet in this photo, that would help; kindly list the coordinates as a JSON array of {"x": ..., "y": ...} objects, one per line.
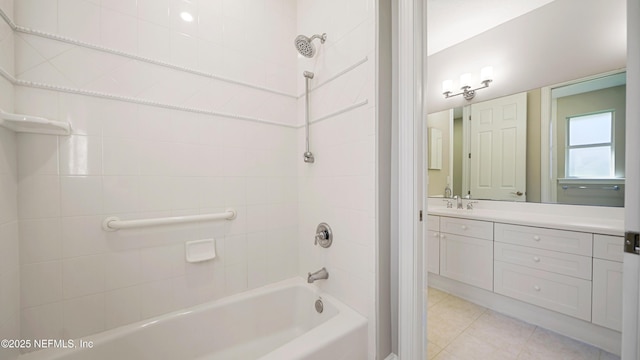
[
  {"x": 607, "y": 281},
  {"x": 546, "y": 267},
  {"x": 433, "y": 244},
  {"x": 466, "y": 251}
]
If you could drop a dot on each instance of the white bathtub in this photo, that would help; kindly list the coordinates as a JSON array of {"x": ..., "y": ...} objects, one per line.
[{"x": 276, "y": 322}]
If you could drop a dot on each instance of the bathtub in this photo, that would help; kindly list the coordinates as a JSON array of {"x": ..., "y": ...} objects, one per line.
[{"x": 275, "y": 322}]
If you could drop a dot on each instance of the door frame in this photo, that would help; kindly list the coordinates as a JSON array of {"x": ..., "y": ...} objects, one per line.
[
  {"x": 631, "y": 262},
  {"x": 411, "y": 58}
]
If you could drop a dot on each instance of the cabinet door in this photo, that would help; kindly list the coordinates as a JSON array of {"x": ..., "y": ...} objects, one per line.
[
  {"x": 466, "y": 259},
  {"x": 607, "y": 294},
  {"x": 433, "y": 251}
]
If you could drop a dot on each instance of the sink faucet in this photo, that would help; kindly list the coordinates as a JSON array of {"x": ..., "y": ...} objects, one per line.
[
  {"x": 458, "y": 201},
  {"x": 318, "y": 275}
]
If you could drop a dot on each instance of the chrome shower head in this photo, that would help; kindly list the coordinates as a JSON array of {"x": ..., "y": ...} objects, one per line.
[{"x": 305, "y": 45}]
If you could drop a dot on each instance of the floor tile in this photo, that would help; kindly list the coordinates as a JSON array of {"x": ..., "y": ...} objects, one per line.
[{"x": 461, "y": 330}]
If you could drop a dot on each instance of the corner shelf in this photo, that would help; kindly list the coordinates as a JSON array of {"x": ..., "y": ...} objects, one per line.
[{"x": 33, "y": 124}]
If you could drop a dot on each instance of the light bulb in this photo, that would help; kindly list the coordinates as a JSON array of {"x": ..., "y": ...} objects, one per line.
[
  {"x": 447, "y": 86},
  {"x": 486, "y": 73},
  {"x": 465, "y": 80}
]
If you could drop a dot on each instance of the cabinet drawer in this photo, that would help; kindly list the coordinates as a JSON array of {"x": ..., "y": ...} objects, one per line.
[
  {"x": 433, "y": 223},
  {"x": 553, "y": 261},
  {"x": 607, "y": 294},
  {"x": 465, "y": 227},
  {"x": 468, "y": 260},
  {"x": 608, "y": 247},
  {"x": 564, "y": 294},
  {"x": 571, "y": 242}
]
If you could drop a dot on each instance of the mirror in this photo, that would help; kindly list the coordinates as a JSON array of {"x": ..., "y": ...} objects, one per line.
[{"x": 559, "y": 144}]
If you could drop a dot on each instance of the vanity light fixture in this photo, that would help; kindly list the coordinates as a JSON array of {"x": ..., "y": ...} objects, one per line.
[{"x": 486, "y": 75}]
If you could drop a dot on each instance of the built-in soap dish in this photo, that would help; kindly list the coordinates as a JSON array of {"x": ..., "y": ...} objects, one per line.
[{"x": 200, "y": 250}]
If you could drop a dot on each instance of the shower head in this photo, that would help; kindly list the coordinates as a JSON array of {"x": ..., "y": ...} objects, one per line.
[{"x": 305, "y": 45}]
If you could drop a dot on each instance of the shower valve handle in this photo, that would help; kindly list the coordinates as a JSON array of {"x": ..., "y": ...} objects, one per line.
[{"x": 324, "y": 236}]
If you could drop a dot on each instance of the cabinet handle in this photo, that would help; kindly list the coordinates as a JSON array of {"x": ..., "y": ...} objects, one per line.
[
  {"x": 536, "y": 287},
  {"x": 536, "y": 237},
  {"x": 464, "y": 227},
  {"x": 435, "y": 234},
  {"x": 536, "y": 259}
]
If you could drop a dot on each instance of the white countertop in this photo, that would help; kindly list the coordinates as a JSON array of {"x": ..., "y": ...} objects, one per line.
[{"x": 598, "y": 225}]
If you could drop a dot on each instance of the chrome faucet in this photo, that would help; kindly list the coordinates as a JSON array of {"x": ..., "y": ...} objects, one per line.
[
  {"x": 458, "y": 202},
  {"x": 318, "y": 275}
]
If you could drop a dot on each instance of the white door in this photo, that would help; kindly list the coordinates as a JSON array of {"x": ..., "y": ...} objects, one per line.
[{"x": 498, "y": 148}]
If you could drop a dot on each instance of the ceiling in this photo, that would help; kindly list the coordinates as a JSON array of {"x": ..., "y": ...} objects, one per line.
[{"x": 452, "y": 21}]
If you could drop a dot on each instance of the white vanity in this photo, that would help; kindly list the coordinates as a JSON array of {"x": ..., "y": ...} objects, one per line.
[{"x": 559, "y": 267}]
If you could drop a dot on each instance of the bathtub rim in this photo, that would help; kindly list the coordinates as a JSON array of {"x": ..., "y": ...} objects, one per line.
[{"x": 296, "y": 282}]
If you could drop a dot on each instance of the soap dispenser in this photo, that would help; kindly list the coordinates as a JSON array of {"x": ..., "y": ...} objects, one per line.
[{"x": 447, "y": 190}]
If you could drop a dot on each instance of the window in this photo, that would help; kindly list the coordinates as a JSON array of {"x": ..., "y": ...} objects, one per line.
[{"x": 590, "y": 147}]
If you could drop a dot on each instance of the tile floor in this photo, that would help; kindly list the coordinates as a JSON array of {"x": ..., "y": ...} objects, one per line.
[{"x": 461, "y": 330}]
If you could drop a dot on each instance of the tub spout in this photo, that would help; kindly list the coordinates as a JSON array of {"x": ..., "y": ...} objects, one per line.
[{"x": 318, "y": 275}]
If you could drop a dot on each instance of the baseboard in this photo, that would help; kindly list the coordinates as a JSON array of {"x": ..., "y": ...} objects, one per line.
[{"x": 603, "y": 338}]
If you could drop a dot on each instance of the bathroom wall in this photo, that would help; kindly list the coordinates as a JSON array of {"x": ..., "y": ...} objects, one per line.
[
  {"x": 340, "y": 187},
  {"x": 9, "y": 248},
  {"x": 169, "y": 118}
]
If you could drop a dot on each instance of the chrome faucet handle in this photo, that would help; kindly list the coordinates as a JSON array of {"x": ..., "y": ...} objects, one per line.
[
  {"x": 449, "y": 203},
  {"x": 470, "y": 205},
  {"x": 324, "y": 235}
]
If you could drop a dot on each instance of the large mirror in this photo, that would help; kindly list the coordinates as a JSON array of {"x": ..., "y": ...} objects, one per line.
[{"x": 558, "y": 144}]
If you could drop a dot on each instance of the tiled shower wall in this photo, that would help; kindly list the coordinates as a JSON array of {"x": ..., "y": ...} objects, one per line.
[
  {"x": 339, "y": 188},
  {"x": 9, "y": 246},
  {"x": 182, "y": 118}
]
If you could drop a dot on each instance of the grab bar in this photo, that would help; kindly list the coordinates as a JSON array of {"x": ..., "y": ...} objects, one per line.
[
  {"x": 113, "y": 223},
  {"x": 614, "y": 187}
]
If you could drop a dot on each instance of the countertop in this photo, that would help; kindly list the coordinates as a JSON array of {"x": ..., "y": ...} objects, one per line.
[{"x": 602, "y": 225}]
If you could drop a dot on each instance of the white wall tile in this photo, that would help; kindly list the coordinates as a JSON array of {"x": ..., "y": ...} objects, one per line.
[
  {"x": 83, "y": 316},
  {"x": 118, "y": 31},
  {"x": 80, "y": 195},
  {"x": 123, "y": 269},
  {"x": 120, "y": 194},
  {"x": 128, "y": 7},
  {"x": 41, "y": 283},
  {"x": 39, "y": 197},
  {"x": 121, "y": 156},
  {"x": 83, "y": 235},
  {"x": 42, "y": 322},
  {"x": 80, "y": 155},
  {"x": 40, "y": 240},
  {"x": 83, "y": 276},
  {"x": 152, "y": 40},
  {"x": 154, "y": 193},
  {"x": 37, "y": 155},
  {"x": 36, "y": 14},
  {"x": 178, "y": 24},
  {"x": 184, "y": 50},
  {"x": 122, "y": 307},
  {"x": 156, "y": 298},
  {"x": 155, "y": 11},
  {"x": 84, "y": 28}
]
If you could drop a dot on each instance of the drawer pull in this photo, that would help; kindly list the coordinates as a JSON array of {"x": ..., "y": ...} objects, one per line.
[
  {"x": 464, "y": 227},
  {"x": 536, "y": 259},
  {"x": 536, "y": 287},
  {"x": 442, "y": 236},
  {"x": 536, "y": 237},
  {"x": 435, "y": 234}
]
